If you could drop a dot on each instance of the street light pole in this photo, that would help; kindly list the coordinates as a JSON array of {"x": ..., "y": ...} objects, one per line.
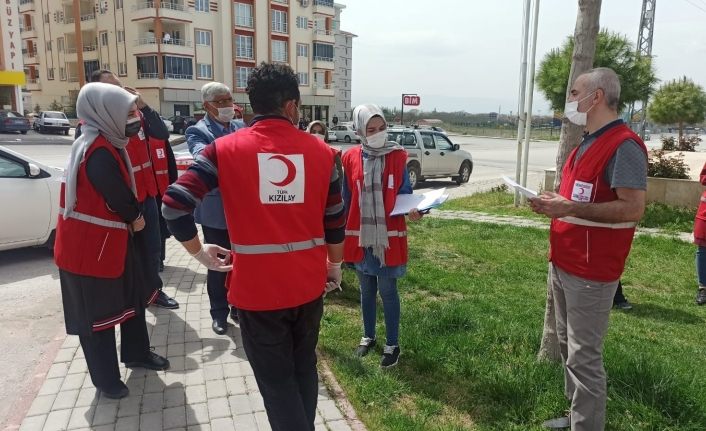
[
  {"x": 521, "y": 111},
  {"x": 530, "y": 94}
]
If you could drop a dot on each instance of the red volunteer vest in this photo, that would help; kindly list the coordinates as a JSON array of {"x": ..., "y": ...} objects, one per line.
[
  {"x": 595, "y": 251},
  {"x": 93, "y": 240},
  {"x": 700, "y": 220},
  {"x": 139, "y": 152},
  {"x": 274, "y": 182},
  {"x": 392, "y": 179},
  {"x": 158, "y": 148}
]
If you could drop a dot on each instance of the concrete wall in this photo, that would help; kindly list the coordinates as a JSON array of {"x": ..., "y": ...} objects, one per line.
[{"x": 682, "y": 193}]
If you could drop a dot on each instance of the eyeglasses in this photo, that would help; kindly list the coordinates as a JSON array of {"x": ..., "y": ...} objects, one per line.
[{"x": 222, "y": 102}]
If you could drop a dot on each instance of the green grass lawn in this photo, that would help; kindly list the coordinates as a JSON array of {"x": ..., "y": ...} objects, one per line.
[
  {"x": 673, "y": 219},
  {"x": 472, "y": 310}
]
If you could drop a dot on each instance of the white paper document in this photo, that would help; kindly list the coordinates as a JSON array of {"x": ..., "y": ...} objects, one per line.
[
  {"x": 405, "y": 203},
  {"x": 524, "y": 190}
]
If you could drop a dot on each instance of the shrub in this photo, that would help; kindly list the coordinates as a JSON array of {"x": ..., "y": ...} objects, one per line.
[
  {"x": 684, "y": 143},
  {"x": 662, "y": 166}
]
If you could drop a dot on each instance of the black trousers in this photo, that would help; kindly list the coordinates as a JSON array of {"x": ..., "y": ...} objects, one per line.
[
  {"x": 215, "y": 280},
  {"x": 102, "y": 356},
  {"x": 619, "y": 296},
  {"x": 281, "y": 348}
]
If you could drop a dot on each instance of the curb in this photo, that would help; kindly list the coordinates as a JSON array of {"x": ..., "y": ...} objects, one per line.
[{"x": 339, "y": 395}]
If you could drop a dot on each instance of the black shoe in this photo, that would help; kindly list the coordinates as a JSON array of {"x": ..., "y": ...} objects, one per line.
[
  {"x": 390, "y": 356},
  {"x": 558, "y": 423},
  {"x": 116, "y": 394},
  {"x": 365, "y": 345},
  {"x": 161, "y": 266},
  {"x": 164, "y": 301},
  {"x": 623, "y": 305},
  {"x": 234, "y": 315},
  {"x": 219, "y": 327},
  {"x": 153, "y": 362},
  {"x": 701, "y": 296}
]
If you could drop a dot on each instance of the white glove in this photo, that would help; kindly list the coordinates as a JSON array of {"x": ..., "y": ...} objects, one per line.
[
  {"x": 208, "y": 257},
  {"x": 334, "y": 276}
]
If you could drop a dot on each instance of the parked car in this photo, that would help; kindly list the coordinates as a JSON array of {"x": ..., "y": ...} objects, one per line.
[
  {"x": 181, "y": 123},
  {"x": 431, "y": 154},
  {"x": 168, "y": 123},
  {"x": 31, "y": 193},
  {"x": 345, "y": 133},
  {"x": 51, "y": 121},
  {"x": 331, "y": 136},
  {"x": 11, "y": 121}
]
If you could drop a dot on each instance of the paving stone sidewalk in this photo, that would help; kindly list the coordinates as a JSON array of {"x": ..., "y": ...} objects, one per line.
[{"x": 210, "y": 385}]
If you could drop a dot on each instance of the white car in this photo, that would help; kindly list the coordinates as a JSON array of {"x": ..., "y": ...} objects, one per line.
[
  {"x": 168, "y": 123},
  {"x": 30, "y": 191},
  {"x": 345, "y": 133}
]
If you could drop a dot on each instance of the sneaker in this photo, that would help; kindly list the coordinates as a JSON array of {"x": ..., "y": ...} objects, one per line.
[
  {"x": 390, "y": 356},
  {"x": 558, "y": 423},
  {"x": 623, "y": 305},
  {"x": 701, "y": 296},
  {"x": 365, "y": 345},
  {"x": 165, "y": 301}
]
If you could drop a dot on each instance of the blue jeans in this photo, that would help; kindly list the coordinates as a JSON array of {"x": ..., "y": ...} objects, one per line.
[
  {"x": 369, "y": 286},
  {"x": 701, "y": 265}
]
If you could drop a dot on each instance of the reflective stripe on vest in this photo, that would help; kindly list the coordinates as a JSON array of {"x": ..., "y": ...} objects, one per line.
[
  {"x": 584, "y": 222},
  {"x": 95, "y": 220},
  {"x": 390, "y": 233},
  {"x": 277, "y": 248},
  {"x": 141, "y": 167},
  {"x": 164, "y": 172}
]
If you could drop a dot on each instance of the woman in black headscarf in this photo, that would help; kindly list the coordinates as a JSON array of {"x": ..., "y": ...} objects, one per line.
[{"x": 98, "y": 267}]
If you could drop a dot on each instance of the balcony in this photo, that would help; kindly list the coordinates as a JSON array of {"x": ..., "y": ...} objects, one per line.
[
  {"x": 26, "y": 5},
  {"x": 280, "y": 28},
  {"x": 281, "y": 1},
  {"x": 323, "y": 63},
  {"x": 174, "y": 10},
  {"x": 244, "y": 21},
  {"x": 244, "y": 54},
  {"x": 143, "y": 10},
  {"x": 324, "y": 7},
  {"x": 176, "y": 81},
  {"x": 32, "y": 84},
  {"x": 323, "y": 35},
  {"x": 323, "y": 89},
  {"x": 28, "y": 32},
  {"x": 29, "y": 57},
  {"x": 88, "y": 17},
  {"x": 148, "y": 45}
]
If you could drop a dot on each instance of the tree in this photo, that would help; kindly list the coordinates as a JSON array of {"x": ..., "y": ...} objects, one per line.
[
  {"x": 637, "y": 76},
  {"x": 585, "y": 35},
  {"x": 678, "y": 102}
]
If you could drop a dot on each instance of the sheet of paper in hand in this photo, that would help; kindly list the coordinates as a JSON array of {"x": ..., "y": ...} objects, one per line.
[
  {"x": 425, "y": 201},
  {"x": 524, "y": 190}
]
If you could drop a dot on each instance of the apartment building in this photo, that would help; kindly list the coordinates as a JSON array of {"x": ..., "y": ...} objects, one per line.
[
  {"x": 343, "y": 72},
  {"x": 11, "y": 67},
  {"x": 167, "y": 49}
]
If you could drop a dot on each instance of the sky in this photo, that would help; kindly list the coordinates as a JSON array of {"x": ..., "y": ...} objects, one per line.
[{"x": 465, "y": 54}]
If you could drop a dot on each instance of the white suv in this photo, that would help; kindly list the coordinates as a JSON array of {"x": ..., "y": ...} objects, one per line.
[{"x": 51, "y": 121}]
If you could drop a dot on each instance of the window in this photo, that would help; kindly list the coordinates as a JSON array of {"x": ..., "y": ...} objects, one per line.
[
  {"x": 204, "y": 71},
  {"x": 11, "y": 169},
  {"x": 147, "y": 67},
  {"x": 104, "y": 38},
  {"x": 279, "y": 51},
  {"x": 50, "y": 73},
  {"x": 49, "y": 45},
  {"x": 303, "y": 78},
  {"x": 279, "y": 21},
  {"x": 203, "y": 37},
  {"x": 302, "y": 22},
  {"x": 243, "y": 47},
  {"x": 177, "y": 67},
  {"x": 442, "y": 143},
  {"x": 118, "y": 4},
  {"x": 201, "y": 6},
  {"x": 302, "y": 50},
  {"x": 46, "y": 18},
  {"x": 241, "y": 76},
  {"x": 243, "y": 15},
  {"x": 122, "y": 68},
  {"x": 60, "y": 44},
  {"x": 121, "y": 36},
  {"x": 105, "y": 66},
  {"x": 427, "y": 140},
  {"x": 323, "y": 52},
  {"x": 62, "y": 74}
]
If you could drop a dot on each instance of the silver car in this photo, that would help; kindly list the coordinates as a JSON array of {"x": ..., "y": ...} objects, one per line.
[{"x": 345, "y": 133}]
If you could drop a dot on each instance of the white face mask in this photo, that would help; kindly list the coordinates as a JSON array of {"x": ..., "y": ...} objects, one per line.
[
  {"x": 571, "y": 111},
  {"x": 377, "y": 140},
  {"x": 226, "y": 114},
  {"x": 319, "y": 135}
]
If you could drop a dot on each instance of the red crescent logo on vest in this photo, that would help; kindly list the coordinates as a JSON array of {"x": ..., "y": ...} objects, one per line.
[{"x": 291, "y": 170}]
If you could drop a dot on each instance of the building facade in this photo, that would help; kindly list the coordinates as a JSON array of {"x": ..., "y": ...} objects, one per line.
[
  {"x": 167, "y": 49},
  {"x": 343, "y": 73},
  {"x": 11, "y": 58}
]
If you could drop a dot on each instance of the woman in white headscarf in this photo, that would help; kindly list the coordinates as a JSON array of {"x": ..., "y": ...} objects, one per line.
[
  {"x": 100, "y": 274},
  {"x": 376, "y": 242}
]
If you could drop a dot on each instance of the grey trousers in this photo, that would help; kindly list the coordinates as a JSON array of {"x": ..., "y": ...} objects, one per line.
[{"x": 582, "y": 312}]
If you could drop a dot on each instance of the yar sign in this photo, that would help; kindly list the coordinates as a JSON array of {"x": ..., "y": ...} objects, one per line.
[{"x": 411, "y": 100}]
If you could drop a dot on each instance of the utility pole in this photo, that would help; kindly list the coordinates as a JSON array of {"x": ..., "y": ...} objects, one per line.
[
  {"x": 521, "y": 112},
  {"x": 644, "y": 49},
  {"x": 530, "y": 94}
]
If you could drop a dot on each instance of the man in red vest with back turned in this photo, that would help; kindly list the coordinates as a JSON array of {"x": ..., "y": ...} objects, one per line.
[{"x": 601, "y": 198}]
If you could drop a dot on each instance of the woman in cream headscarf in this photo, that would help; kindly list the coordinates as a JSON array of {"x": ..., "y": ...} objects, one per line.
[
  {"x": 98, "y": 267},
  {"x": 376, "y": 242}
]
